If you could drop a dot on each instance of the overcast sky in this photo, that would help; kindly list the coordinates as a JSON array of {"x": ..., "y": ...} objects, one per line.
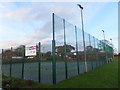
[{"x": 27, "y": 23}]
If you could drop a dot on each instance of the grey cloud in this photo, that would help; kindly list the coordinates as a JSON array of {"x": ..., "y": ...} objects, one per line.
[
  {"x": 36, "y": 13},
  {"x": 42, "y": 33}
]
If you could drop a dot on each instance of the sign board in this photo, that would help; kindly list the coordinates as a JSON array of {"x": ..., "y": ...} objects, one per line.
[{"x": 30, "y": 50}]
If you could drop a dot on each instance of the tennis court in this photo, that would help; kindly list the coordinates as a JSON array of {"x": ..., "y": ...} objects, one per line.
[{"x": 63, "y": 56}]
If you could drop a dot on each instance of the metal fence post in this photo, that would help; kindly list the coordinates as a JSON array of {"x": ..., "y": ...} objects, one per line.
[
  {"x": 96, "y": 53},
  {"x": 101, "y": 47},
  {"x": 23, "y": 62},
  {"x": 11, "y": 63},
  {"x": 2, "y": 55},
  {"x": 112, "y": 54},
  {"x": 89, "y": 40},
  {"x": 2, "y": 60},
  {"x": 90, "y": 45},
  {"x": 39, "y": 60},
  {"x": 96, "y": 42},
  {"x": 77, "y": 50},
  {"x": 99, "y": 60},
  {"x": 53, "y": 53},
  {"x": 106, "y": 61},
  {"x": 66, "y": 72}
]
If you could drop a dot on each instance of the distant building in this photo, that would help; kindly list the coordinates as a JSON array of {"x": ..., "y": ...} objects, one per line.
[{"x": 8, "y": 55}]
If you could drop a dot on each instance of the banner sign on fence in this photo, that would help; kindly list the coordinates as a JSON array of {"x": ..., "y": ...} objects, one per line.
[{"x": 30, "y": 50}]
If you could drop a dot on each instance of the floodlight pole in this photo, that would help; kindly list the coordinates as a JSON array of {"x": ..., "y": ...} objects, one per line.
[
  {"x": 111, "y": 42},
  {"x": 83, "y": 35},
  {"x": 112, "y": 47},
  {"x": 103, "y": 35},
  {"x": 104, "y": 44}
]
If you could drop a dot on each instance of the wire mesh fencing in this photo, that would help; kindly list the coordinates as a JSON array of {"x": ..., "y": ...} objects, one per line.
[
  {"x": 69, "y": 49},
  {"x": 61, "y": 57},
  {"x": 15, "y": 63}
]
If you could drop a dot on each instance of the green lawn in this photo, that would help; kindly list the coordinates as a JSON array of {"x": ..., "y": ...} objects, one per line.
[{"x": 102, "y": 77}]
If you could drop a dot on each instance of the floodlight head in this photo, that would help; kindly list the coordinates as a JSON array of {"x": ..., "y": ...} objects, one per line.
[
  {"x": 103, "y": 30},
  {"x": 80, "y": 6}
]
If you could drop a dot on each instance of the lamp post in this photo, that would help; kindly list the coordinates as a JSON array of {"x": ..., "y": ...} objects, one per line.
[
  {"x": 83, "y": 35},
  {"x": 104, "y": 44},
  {"x": 112, "y": 48},
  {"x": 103, "y": 35},
  {"x": 111, "y": 42},
  {"x": 104, "y": 38}
]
